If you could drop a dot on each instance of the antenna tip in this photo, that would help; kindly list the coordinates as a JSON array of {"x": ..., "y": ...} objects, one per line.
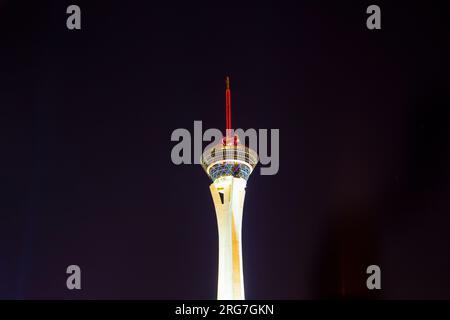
[{"x": 227, "y": 81}]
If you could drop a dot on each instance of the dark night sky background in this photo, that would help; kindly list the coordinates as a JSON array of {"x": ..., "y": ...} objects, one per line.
[{"x": 87, "y": 179}]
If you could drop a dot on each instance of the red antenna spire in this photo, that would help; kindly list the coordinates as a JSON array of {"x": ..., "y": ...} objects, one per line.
[
  {"x": 229, "y": 139},
  {"x": 228, "y": 106}
]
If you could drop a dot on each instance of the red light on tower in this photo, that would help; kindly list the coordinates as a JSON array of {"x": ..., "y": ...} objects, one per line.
[{"x": 228, "y": 139}]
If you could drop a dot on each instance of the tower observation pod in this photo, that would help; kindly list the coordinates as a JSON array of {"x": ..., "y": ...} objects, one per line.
[{"x": 229, "y": 165}]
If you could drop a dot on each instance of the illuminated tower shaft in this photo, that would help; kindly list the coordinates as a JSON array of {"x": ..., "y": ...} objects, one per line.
[
  {"x": 229, "y": 166},
  {"x": 228, "y": 197}
]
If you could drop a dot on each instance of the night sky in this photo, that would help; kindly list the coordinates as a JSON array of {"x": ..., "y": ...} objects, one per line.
[{"x": 86, "y": 176}]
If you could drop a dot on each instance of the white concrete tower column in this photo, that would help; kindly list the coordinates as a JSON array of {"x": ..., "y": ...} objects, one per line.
[{"x": 228, "y": 194}]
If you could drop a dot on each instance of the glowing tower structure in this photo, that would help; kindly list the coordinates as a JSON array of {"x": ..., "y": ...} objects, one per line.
[{"x": 229, "y": 165}]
